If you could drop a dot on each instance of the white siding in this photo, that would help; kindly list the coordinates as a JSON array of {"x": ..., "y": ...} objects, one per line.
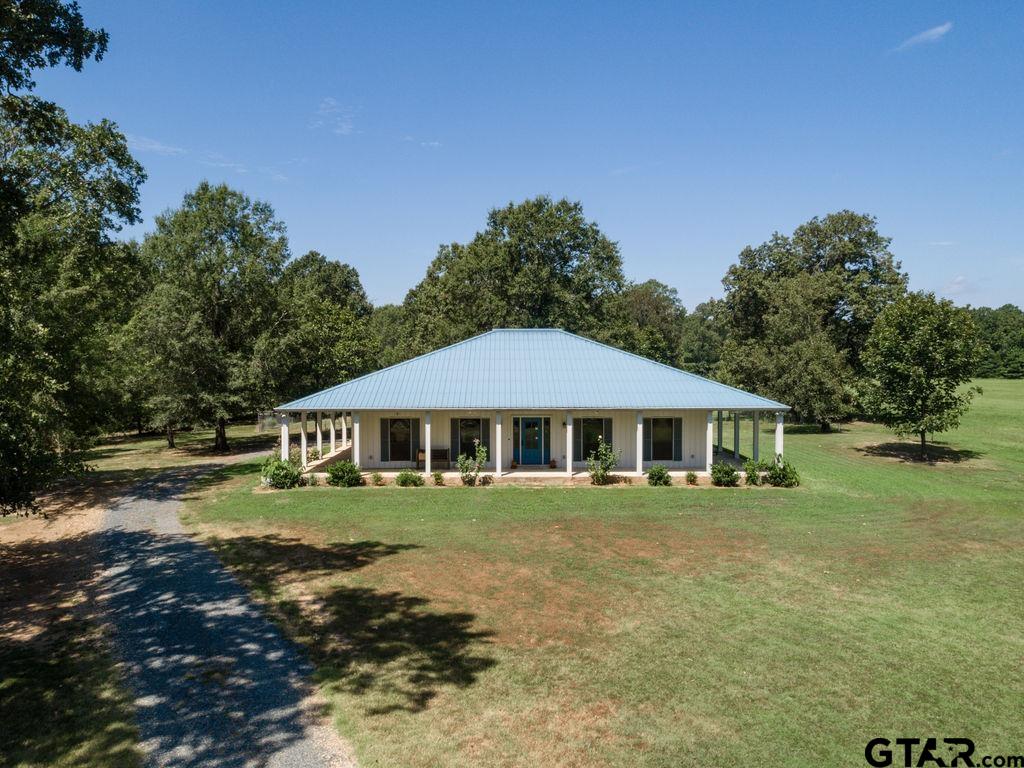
[{"x": 623, "y": 435}]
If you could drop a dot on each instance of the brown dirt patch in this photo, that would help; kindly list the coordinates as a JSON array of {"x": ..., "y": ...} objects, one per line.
[{"x": 691, "y": 548}]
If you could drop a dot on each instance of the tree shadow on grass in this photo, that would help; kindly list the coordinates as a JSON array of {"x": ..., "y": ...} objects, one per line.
[
  {"x": 396, "y": 650},
  {"x": 936, "y": 453},
  {"x": 392, "y": 648},
  {"x": 814, "y": 429},
  {"x": 59, "y": 698}
]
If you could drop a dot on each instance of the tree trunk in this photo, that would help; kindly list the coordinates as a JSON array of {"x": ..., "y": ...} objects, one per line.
[
  {"x": 826, "y": 427},
  {"x": 923, "y": 452},
  {"x": 170, "y": 436},
  {"x": 138, "y": 425},
  {"x": 221, "y": 440}
]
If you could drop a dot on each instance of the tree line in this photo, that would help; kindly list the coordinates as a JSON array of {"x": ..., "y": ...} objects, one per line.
[{"x": 212, "y": 318}]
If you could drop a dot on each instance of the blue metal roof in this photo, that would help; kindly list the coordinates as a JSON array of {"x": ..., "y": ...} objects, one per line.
[{"x": 530, "y": 368}]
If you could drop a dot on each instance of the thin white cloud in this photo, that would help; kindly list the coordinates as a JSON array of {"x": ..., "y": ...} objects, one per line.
[
  {"x": 933, "y": 35},
  {"x": 333, "y": 117},
  {"x": 217, "y": 160},
  {"x": 212, "y": 159},
  {"x": 422, "y": 143},
  {"x": 144, "y": 144},
  {"x": 958, "y": 286}
]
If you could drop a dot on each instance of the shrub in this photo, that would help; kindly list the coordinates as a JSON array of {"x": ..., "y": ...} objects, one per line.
[
  {"x": 470, "y": 466},
  {"x": 409, "y": 478},
  {"x": 753, "y": 471},
  {"x": 344, "y": 474},
  {"x": 312, "y": 454},
  {"x": 658, "y": 475},
  {"x": 601, "y": 462},
  {"x": 724, "y": 475},
  {"x": 782, "y": 474},
  {"x": 279, "y": 474},
  {"x": 691, "y": 478},
  {"x": 438, "y": 477},
  {"x": 378, "y": 479}
]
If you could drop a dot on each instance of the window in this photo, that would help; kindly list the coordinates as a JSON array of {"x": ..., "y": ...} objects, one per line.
[
  {"x": 469, "y": 432},
  {"x": 590, "y": 433},
  {"x": 400, "y": 439},
  {"x": 661, "y": 439},
  {"x": 465, "y": 433}
]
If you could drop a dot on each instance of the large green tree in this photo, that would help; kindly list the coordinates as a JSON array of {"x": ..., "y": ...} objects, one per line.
[
  {"x": 321, "y": 334},
  {"x": 44, "y": 33},
  {"x": 794, "y": 360},
  {"x": 701, "y": 336},
  {"x": 646, "y": 319},
  {"x": 809, "y": 300},
  {"x": 538, "y": 263},
  {"x": 919, "y": 354},
  {"x": 217, "y": 261},
  {"x": 845, "y": 246},
  {"x": 64, "y": 284},
  {"x": 389, "y": 325}
]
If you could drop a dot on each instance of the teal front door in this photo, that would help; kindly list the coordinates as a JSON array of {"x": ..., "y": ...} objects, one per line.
[{"x": 531, "y": 434}]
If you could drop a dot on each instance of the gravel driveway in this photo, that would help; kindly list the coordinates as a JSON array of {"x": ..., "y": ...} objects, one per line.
[{"x": 214, "y": 682}]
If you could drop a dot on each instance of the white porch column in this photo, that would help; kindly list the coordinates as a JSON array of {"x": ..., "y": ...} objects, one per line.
[
  {"x": 302, "y": 438},
  {"x": 735, "y": 434},
  {"x": 709, "y": 441},
  {"x": 757, "y": 435},
  {"x": 426, "y": 439},
  {"x": 319, "y": 433},
  {"x": 639, "y": 442},
  {"x": 355, "y": 438},
  {"x": 568, "y": 443},
  {"x": 283, "y": 419},
  {"x": 344, "y": 429},
  {"x": 498, "y": 443},
  {"x": 719, "y": 430},
  {"x": 333, "y": 443},
  {"x": 778, "y": 433}
]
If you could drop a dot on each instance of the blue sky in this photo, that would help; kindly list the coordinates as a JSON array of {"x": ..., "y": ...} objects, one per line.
[{"x": 380, "y": 130}]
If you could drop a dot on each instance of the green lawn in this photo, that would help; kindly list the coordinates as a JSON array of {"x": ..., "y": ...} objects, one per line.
[
  {"x": 630, "y": 626},
  {"x": 131, "y": 452}
]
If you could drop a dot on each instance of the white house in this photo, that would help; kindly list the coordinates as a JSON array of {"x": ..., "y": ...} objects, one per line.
[{"x": 537, "y": 398}]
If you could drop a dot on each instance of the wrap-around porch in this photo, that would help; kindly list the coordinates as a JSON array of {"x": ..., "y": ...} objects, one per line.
[{"x": 531, "y": 445}]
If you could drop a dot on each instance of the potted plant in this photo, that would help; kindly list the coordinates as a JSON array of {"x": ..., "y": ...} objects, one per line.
[
  {"x": 514, "y": 463},
  {"x": 552, "y": 464}
]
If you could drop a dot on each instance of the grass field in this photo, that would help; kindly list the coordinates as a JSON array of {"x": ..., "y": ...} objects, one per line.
[{"x": 630, "y": 626}]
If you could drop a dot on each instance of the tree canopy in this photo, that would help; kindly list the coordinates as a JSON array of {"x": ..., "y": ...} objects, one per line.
[
  {"x": 799, "y": 309},
  {"x": 1002, "y": 341},
  {"x": 217, "y": 260},
  {"x": 44, "y": 33},
  {"x": 538, "y": 263},
  {"x": 919, "y": 355},
  {"x": 65, "y": 285}
]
